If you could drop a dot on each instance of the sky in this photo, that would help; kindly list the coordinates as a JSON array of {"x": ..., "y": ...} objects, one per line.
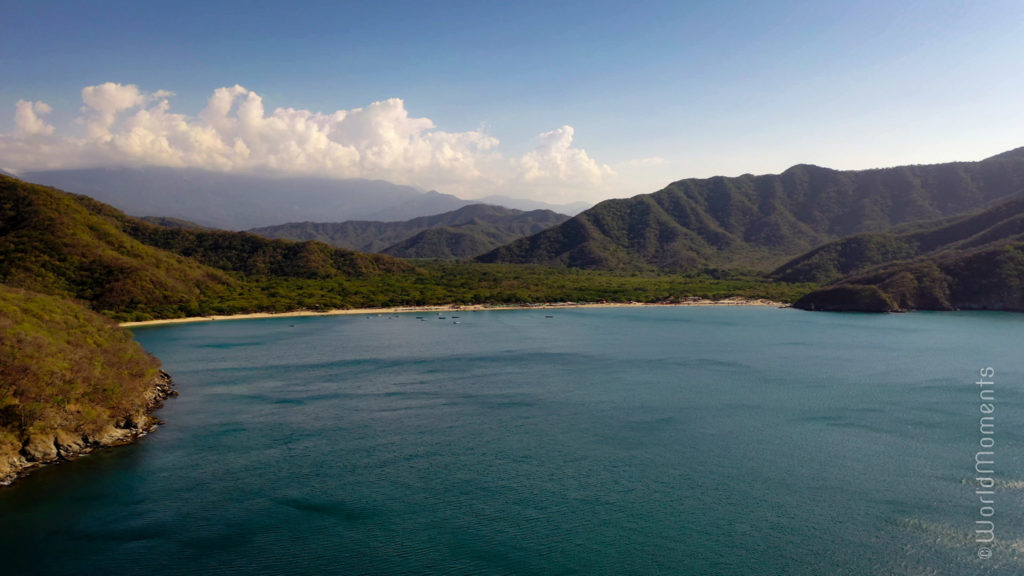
[{"x": 555, "y": 101}]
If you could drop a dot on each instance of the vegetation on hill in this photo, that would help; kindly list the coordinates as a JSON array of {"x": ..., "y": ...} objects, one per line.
[
  {"x": 971, "y": 262},
  {"x": 987, "y": 278},
  {"x": 463, "y": 233},
  {"x": 848, "y": 298},
  {"x": 70, "y": 380},
  {"x": 761, "y": 221},
  {"x": 444, "y": 243},
  {"x": 252, "y": 255},
  {"x": 1003, "y": 223},
  {"x": 72, "y": 246}
]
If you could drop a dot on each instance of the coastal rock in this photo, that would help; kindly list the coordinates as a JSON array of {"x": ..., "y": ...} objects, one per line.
[
  {"x": 10, "y": 467},
  {"x": 110, "y": 436},
  {"x": 69, "y": 444},
  {"x": 141, "y": 422},
  {"x": 40, "y": 448},
  {"x": 134, "y": 423},
  {"x": 162, "y": 389}
]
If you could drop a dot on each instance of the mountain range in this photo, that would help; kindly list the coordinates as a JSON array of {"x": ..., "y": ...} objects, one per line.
[
  {"x": 243, "y": 201},
  {"x": 760, "y": 222},
  {"x": 463, "y": 233},
  {"x": 853, "y": 229}
]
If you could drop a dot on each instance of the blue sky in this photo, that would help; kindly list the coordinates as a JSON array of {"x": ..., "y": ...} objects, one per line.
[{"x": 552, "y": 100}]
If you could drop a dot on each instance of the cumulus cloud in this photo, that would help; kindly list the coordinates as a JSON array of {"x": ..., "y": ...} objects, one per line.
[
  {"x": 556, "y": 160},
  {"x": 28, "y": 121},
  {"x": 122, "y": 125}
]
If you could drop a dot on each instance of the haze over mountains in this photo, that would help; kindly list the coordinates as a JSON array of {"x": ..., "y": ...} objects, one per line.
[
  {"x": 759, "y": 222},
  {"x": 240, "y": 201},
  {"x": 463, "y": 233}
]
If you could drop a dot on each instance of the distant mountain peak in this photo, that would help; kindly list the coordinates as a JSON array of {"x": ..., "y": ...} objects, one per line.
[
  {"x": 808, "y": 168},
  {"x": 462, "y": 233},
  {"x": 1015, "y": 154}
]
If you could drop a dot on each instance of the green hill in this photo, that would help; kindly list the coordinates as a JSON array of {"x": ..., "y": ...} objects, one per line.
[
  {"x": 73, "y": 246},
  {"x": 991, "y": 278},
  {"x": 444, "y": 243},
  {"x": 70, "y": 380},
  {"x": 971, "y": 263},
  {"x": 463, "y": 233},
  {"x": 761, "y": 221},
  {"x": 253, "y": 255},
  {"x": 1000, "y": 224}
]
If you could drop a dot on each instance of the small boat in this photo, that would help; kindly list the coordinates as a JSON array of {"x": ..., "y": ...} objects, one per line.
[{"x": 548, "y": 316}]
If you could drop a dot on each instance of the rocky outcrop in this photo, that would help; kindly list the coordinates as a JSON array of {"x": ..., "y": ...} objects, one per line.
[{"x": 63, "y": 445}]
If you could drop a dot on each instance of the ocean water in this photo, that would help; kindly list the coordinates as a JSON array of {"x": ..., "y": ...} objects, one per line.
[{"x": 703, "y": 441}]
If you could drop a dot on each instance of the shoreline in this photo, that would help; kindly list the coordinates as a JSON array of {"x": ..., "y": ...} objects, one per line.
[
  {"x": 58, "y": 446},
  {"x": 455, "y": 308}
]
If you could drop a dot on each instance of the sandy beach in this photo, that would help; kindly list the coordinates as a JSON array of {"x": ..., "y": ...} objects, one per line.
[{"x": 455, "y": 308}]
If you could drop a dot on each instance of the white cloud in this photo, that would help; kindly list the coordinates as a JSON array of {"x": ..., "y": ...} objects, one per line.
[
  {"x": 555, "y": 160},
  {"x": 27, "y": 119},
  {"x": 103, "y": 103},
  {"x": 122, "y": 125}
]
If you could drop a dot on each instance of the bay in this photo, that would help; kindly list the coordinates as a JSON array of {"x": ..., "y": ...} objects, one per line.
[{"x": 661, "y": 440}]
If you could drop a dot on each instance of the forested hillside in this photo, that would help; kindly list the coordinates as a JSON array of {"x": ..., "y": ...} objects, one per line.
[
  {"x": 971, "y": 263},
  {"x": 463, "y": 233},
  {"x": 73, "y": 246},
  {"x": 762, "y": 221}
]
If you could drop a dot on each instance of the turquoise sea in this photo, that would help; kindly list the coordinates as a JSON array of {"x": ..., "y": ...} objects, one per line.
[{"x": 682, "y": 441}]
